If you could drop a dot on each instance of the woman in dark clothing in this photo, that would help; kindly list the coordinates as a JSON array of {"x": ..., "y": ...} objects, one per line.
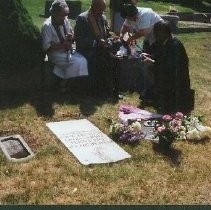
[{"x": 169, "y": 63}]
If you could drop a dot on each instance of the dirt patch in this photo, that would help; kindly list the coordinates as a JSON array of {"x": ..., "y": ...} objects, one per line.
[{"x": 207, "y": 47}]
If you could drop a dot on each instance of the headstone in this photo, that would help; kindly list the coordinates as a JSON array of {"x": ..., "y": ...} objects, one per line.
[
  {"x": 189, "y": 16},
  {"x": 87, "y": 143},
  {"x": 173, "y": 20},
  {"x": 15, "y": 148}
]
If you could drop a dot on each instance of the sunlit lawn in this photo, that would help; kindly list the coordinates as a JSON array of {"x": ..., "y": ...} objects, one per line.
[{"x": 54, "y": 176}]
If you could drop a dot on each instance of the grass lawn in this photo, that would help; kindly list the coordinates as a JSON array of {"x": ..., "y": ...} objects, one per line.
[
  {"x": 54, "y": 176},
  {"x": 37, "y": 7}
]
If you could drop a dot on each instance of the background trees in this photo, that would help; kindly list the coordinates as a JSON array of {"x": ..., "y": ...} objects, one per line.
[{"x": 20, "y": 42}]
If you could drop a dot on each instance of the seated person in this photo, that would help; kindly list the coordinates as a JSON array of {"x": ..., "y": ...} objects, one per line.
[
  {"x": 170, "y": 66},
  {"x": 91, "y": 36},
  {"x": 57, "y": 37}
]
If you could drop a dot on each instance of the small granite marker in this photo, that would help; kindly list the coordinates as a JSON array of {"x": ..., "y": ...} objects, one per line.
[{"x": 15, "y": 148}]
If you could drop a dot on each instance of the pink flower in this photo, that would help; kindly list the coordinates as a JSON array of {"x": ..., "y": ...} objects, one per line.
[
  {"x": 179, "y": 115},
  {"x": 167, "y": 118},
  {"x": 161, "y": 128},
  {"x": 176, "y": 122}
]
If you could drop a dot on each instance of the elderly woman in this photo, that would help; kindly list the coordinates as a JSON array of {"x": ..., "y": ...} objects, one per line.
[{"x": 57, "y": 36}]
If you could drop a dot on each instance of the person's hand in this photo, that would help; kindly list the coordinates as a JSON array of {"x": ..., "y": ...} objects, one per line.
[
  {"x": 67, "y": 45},
  {"x": 115, "y": 37},
  {"x": 131, "y": 40},
  {"x": 101, "y": 43},
  {"x": 69, "y": 37},
  {"x": 146, "y": 58},
  {"x": 133, "y": 43}
]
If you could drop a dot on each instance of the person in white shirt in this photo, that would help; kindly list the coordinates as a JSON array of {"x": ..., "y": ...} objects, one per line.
[
  {"x": 139, "y": 21},
  {"x": 117, "y": 13},
  {"x": 57, "y": 39}
]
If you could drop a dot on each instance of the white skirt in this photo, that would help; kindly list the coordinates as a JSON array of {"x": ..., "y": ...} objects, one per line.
[{"x": 69, "y": 65}]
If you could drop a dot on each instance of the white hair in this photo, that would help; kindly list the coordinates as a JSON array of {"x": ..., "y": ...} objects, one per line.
[{"x": 58, "y": 5}]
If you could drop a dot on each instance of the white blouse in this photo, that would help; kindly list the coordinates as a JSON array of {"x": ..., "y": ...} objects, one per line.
[
  {"x": 146, "y": 20},
  {"x": 49, "y": 34}
]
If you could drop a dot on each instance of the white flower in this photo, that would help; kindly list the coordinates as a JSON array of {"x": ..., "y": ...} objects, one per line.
[
  {"x": 182, "y": 128},
  {"x": 182, "y": 135},
  {"x": 205, "y": 132},
  {"x": 195, "y": 122},
  {"x": 193, "y": 134},
  {"x": 135, "y": 126},
  {"x": 116, "y": 128},
  {"x": 208, "y": 130}
]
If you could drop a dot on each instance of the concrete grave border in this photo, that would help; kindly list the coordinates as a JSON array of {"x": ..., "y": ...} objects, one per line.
[{"x": 23, "y": 144}]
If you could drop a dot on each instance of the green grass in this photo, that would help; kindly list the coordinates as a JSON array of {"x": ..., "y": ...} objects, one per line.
[
  {"x": 54, "y": 176},
  {"x": 36, "y": 8}
]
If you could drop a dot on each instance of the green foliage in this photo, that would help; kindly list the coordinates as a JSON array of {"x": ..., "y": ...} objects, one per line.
[{"x": 20, "y": 40}]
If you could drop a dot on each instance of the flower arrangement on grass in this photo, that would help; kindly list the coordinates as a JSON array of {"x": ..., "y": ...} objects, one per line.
[
  {"x": 169, "y": 128},
  {"x": 127, "y": 133},
  {"x": 177, "y": 126},
  {"x": 195, "y": 130}
]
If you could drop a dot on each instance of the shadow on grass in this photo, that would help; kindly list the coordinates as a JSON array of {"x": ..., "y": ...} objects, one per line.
[
  {"x": 202, "y": 141},
  {"x": 42, "y": 92},
  {"x": 174, "y": 156},
  {"x": 87, "y": 104},
  {"x": 43, "y": 101}
]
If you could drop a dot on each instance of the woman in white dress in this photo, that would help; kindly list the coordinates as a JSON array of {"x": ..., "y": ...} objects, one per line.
[{"x": 57, "y": 38}]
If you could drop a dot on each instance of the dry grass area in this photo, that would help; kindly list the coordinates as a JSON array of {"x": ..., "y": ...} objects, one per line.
[{"x": 54, "y": 176}]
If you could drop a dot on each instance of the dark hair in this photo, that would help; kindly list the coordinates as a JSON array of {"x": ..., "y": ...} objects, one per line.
[
  {"x": 162, "y": 26},
  {"x": 128, "y": 10}
]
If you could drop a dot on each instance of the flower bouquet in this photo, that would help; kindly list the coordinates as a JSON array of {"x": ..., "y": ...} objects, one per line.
[
  {"x": 195, "y": 130},
  {"x": 127, "y": 133},
  {"x": 177, "y": 126},
  {"x": 169, "y": 128}
]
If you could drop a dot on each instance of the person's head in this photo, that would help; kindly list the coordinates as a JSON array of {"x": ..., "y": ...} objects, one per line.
[
  {"x": 130, "y": 12},
  {"x": 59, "y": 10},
  {"x": 98, "y": 7},
  {"x": 162, "y": 31},
  {"x": 134, "y": 2}
]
